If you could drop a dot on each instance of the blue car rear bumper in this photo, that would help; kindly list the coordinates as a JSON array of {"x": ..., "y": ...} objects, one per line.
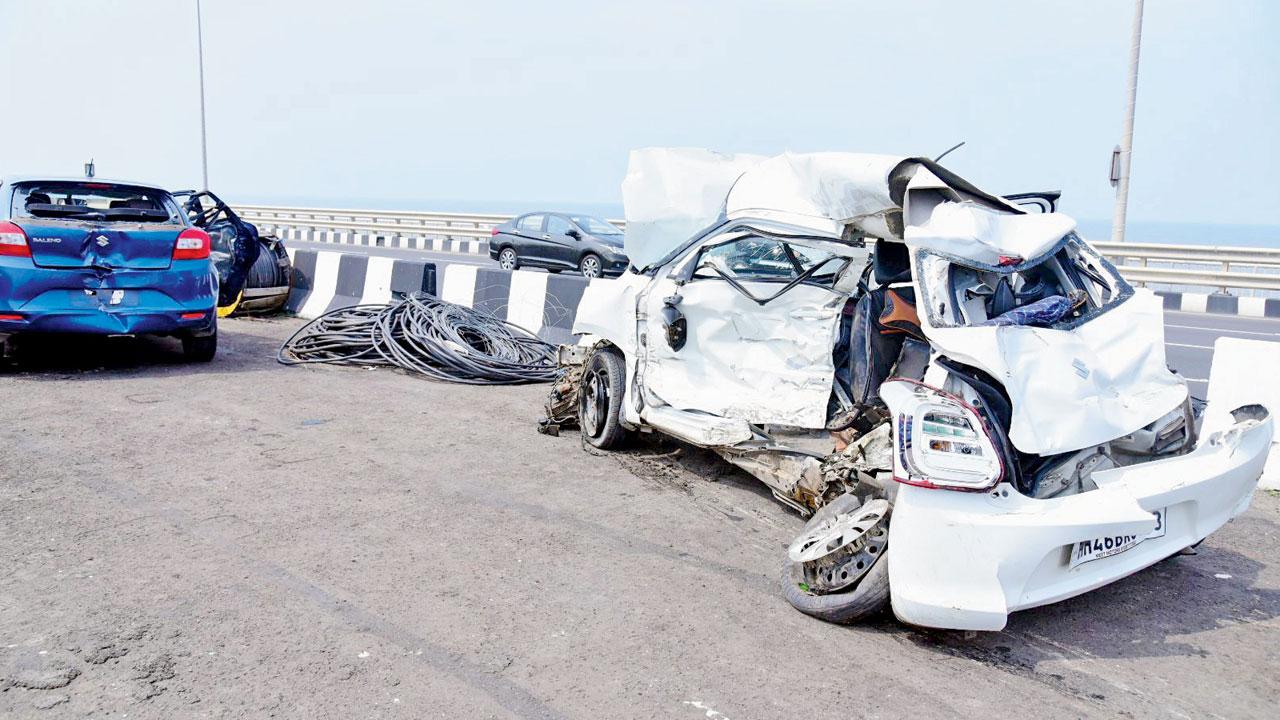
[{"x": 34, "y": 299}]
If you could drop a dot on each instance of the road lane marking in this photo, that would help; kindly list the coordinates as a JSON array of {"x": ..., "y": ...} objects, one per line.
[
  {"x": 1224, "y": 332},
  {"x": 1183, "y": 345}
]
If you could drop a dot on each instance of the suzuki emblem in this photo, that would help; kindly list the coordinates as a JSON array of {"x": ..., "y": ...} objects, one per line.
[
  {"x": 1081, "y": 369},
  {"x": 103, "y": 241}
]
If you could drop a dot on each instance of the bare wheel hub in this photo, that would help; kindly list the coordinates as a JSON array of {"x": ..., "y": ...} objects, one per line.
[
  {"x": 837, "y": 553},
  {"x": 593, "y": 409}
]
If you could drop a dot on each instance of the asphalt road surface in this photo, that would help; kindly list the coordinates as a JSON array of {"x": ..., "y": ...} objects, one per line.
[{"x": 245, "y": 539}]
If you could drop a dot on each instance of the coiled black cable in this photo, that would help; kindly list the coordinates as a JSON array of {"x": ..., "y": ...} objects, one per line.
[{"x": 426, "y": 335}]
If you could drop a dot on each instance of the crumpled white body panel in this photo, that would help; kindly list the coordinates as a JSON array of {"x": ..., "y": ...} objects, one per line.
[
  {"x": 608, "y": 310},
  {"x": 1074, "y": 388},
  {"x": 966, "y": 560},
  {"x": 821, "y": 191},
  {"x": 672, "y": 193},
  {"x": 982, "y": 234},
  {"x": 770, "y": 364}
]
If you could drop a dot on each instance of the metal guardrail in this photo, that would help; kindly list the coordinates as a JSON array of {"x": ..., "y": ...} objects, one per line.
[
  {"x": 1219, "y": 267},
  {"x": 434, "y": 224}
]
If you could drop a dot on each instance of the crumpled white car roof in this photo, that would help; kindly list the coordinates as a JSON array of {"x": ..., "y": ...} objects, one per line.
[{"x": 671, "y": 194}]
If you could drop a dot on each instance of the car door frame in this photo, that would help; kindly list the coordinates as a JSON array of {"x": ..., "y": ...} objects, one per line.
[
  {"x": 815, "y": 312},
  {"x": 530, "y": 244},
  {"x": 562, "y": 250}
]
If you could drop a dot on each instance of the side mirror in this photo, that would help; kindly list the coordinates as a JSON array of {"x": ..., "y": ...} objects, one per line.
[{"x": 573, "y": 233}]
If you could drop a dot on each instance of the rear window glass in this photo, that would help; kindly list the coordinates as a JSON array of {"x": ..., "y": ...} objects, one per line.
[
  {"x": 1066, "y": 286},
  {"x": 93, "y": 201},
  {"x": 530, "y": 222}
]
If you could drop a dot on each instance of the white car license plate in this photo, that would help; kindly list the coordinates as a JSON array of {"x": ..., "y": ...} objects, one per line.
[{"x": 1104, "y": 547}]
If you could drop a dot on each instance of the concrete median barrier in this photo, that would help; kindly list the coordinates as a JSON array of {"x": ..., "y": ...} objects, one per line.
[
  {"x": 1221, "y": 304},
  {"x": 540, "y": 302}
]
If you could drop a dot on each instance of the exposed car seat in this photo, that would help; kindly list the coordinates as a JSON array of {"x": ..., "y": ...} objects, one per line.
[
  {"x": 873, "y": 336},
  {"x": 39, "y": 198}
]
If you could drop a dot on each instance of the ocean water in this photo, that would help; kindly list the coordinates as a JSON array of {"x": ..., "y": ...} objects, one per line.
[
  {"x": 1174, "y": 233},
  {"x": 1265, "y": 236}
]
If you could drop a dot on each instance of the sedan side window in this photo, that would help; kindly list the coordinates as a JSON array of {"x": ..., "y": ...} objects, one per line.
[
  {"x": 530, "y": 223},
  {"x": 557, "y": 225},
  {"x": 757, "y": 258}
]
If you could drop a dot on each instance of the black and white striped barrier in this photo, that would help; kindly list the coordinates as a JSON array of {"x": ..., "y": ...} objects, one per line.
[
  {"x": 381, "y": 239},
  {"x": 540, "y": 302},
  {"x": 544, "y": 303},
  {"x": 1218, "y": 304}
]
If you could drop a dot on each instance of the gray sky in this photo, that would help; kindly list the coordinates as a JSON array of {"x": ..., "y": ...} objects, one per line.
[{"x": 513, "y": 102}]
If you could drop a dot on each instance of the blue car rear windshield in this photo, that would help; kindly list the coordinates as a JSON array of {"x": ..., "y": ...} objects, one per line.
[{"x": 93, "y": 201}]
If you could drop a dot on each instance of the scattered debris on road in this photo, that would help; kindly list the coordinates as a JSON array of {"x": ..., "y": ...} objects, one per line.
[{"x": 425, "y": 335}]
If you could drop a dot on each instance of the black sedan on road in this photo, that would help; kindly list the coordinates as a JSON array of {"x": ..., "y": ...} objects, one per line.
[{"x": 559, "y": 241}]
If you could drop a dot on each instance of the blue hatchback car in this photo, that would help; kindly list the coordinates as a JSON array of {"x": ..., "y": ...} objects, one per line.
[{"x": 107, "y": 258}]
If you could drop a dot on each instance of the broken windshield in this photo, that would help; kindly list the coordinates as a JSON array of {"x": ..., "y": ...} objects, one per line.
[{"x": 95, "y": 201}]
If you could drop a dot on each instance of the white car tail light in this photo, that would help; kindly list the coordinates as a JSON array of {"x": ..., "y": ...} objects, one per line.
[
  {"x": 192, "y": 244},
  {"x": 940, "y": 440},
  {"x": 13, "y": 241}
]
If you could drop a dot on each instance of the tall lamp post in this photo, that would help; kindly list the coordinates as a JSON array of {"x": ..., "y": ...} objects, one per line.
[
  {"x": 204, "y": 142},
  {"x": 1123, "y": 154}
]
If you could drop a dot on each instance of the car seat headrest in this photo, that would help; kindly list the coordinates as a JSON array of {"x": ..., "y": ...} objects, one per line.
[{"x": 891, "y": 262}]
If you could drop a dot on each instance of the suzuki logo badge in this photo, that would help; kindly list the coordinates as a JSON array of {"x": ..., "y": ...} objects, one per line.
[
  {"x": 103, "y": 241},
  {"x": 1081, "y": 369}
]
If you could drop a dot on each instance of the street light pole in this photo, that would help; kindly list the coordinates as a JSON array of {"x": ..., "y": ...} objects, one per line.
[
  {"x": 204, "y": 142},
  {"x": 1124, "y": 153}
]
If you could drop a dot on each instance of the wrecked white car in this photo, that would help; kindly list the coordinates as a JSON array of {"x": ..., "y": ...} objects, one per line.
[{"x": 976, "y": 413}]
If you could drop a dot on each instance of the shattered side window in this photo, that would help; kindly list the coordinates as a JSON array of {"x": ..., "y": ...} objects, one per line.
[
  {"x": 1066, "y": 286},
  {"x": 758, "y": 259}
]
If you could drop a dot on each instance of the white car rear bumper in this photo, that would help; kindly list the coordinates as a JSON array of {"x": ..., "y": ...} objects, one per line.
[{"x": 966, "y": 560}]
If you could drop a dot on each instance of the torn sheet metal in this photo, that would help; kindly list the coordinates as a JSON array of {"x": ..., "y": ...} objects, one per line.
[
  {"x": 1071, "y": 389},
  {"x": 998, "y": 552},
  {"x": 763, "y": 364},
  {"x": 822, "y": 192},
  {"x": 672, "y": 193},
  {"x": 985, "y": 235},
  {"x": 608, "y": 311}
]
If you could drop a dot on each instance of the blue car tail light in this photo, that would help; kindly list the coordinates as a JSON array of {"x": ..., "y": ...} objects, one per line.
[
  {"x": 192, "y": 244},
  {"x": 13, "y": 241}
]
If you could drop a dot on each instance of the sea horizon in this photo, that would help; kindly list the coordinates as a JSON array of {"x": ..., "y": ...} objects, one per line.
[{"x": 1137, "y": 231}]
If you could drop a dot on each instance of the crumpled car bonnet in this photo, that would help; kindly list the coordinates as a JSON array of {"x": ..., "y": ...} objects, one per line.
[{"x": 671, "y": 194}]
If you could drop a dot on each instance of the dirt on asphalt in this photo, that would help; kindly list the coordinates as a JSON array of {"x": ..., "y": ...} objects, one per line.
[{"x": 244, "y": 539}]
